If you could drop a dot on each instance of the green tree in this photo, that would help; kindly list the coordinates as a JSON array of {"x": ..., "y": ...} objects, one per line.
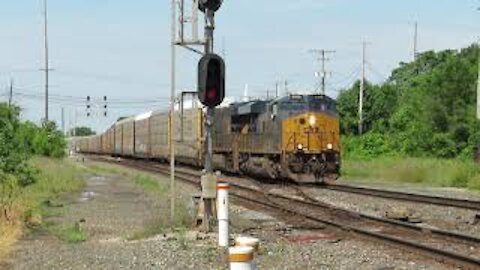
[
  {"x": 426, "y": 107},
  {"x": 82, "y": 131}
]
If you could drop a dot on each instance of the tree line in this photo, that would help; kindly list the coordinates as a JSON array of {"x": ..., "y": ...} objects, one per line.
[{"x": 425, "y": 108}]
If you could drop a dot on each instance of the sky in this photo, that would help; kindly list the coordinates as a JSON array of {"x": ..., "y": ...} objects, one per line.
[{"x": 121, "y": 49}]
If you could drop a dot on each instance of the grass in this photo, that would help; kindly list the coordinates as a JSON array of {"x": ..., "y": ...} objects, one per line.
[
  {"x": 161, "y": 223},
  {"x": 69, "y": 233},
  {"x": 149, "y": 183},
  {"x": 98, "y": 168},
  {"x": 55, "y": 178},
  {"x": 423, "y": 171},
  {"x": 156, "y": 186},
  {"x": 9, "y": 234}
]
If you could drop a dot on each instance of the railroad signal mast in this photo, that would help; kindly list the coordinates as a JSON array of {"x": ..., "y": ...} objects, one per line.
[
  {"x": 89, "y": 107},
  {"x": 211, "y": 92},
  {"x": 105, "y": 106}
]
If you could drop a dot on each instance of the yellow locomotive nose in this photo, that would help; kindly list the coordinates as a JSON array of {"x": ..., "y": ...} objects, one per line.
[{"x": 311, "y": 132}]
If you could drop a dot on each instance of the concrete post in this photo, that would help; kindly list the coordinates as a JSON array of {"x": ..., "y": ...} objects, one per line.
[{"x": 222, "y": 214}]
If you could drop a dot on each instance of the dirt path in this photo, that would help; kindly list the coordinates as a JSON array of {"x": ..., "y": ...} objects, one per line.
[{"x": 109, "y": 210}]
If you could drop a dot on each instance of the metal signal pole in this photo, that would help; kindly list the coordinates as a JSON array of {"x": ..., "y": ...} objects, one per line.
[
  {"x": 188, "y": 41},
  {"x": 208, "y": 203},
  {"x": 171, "y": 118}
]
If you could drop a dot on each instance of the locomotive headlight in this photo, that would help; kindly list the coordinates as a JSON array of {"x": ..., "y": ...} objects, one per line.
[
  {"x": 330, "y": 146},
  {"x": 300, "y": 146},
  {"x": 312, "y": 120}
]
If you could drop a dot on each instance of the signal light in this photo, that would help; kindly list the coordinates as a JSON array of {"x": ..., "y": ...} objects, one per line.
[
  {"x": 211, "y": 80},
  {"x": 213, "y": 5}
]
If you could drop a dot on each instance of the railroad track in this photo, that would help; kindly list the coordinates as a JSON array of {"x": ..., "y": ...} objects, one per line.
[
  {"x": 458, "y": 249},
  {"x": 403, "y": 196}
]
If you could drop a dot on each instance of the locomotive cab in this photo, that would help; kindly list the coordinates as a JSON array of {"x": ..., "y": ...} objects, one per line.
[{"x": 310, "y": 137}]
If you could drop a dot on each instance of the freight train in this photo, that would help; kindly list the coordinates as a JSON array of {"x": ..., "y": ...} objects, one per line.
[{"x": 295, "y": 137}]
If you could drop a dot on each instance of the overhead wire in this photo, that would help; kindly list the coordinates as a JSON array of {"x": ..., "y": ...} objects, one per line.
[{"x": 376, "y": 72}]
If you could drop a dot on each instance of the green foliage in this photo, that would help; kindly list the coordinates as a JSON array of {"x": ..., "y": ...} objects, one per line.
[
  {"x": 425, "y": 108},
  {"x": 82, "y": 131},
  {"x": 20, "y": 140}
]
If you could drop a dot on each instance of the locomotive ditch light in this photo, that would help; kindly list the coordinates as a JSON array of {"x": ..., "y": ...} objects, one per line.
[
  {"x": 211, "y": 80},
  {"x": 329, "y": 146},
  {"x": 300, "y": 146},
  {"x": 312, "y": 120}
]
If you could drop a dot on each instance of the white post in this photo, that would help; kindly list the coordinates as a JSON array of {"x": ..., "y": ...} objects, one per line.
[
  {"x": 222, "y": 214},
  {"x": 240, "y": 258}
]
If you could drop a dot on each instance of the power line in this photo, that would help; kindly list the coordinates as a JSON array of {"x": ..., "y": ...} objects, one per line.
[
  {"x": 376, "y": 72},
  {"x": 109, "y": 78}
]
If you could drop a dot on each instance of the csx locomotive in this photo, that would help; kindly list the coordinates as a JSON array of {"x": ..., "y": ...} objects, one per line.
[{"x": 295, "y": 137}]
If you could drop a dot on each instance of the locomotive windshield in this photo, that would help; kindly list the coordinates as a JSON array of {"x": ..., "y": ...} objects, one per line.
[{"x": 301, "y": 103}]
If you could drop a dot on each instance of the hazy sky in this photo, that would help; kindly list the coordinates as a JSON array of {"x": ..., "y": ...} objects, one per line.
[{"x": 121, "y": 48}]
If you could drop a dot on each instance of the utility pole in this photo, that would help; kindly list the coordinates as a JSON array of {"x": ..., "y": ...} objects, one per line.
[
  {"x": 276, "y": 89},
  {"x": 47, "y": 66},
  {"x": 75, "y": 123},
  {"x": 172, "y": 111},
  {"x": 63, "y": 121},
  {"x": 478, "y": 82},
  {"x": 415, "y": 41},
  {"x": 322, "y": 58},
  {"x": 286, "y": 87},
  {"x": 10, "y": 96},
  {"x": 362, "y": 89}
]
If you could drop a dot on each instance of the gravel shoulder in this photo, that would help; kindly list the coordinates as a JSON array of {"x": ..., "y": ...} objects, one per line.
[
  {"x": 430, "y": 216},
  {"x": 112, "y": 208}
]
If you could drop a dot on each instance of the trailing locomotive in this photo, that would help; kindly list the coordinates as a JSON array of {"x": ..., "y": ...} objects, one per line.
[{"x": 295, "y": 137}]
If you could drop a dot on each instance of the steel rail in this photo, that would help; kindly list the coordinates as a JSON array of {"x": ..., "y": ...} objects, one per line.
[
  {"x": 406, "y": 196},
  {"x": 453, "y": 257}
]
